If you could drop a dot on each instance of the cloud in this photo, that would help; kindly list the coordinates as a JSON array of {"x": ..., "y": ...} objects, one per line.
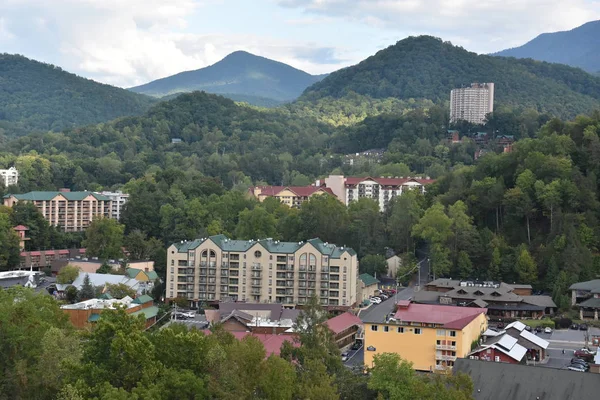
[
  {"x": 130, "y": 42},
  {"x": 478, "y": 25}
]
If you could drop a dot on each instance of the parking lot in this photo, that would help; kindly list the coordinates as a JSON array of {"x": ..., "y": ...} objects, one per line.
[{"x": 198, "y": 322}]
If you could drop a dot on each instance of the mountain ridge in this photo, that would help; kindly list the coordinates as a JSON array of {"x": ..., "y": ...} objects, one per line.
[
  {"x": 578, "y": 47},
  {"x": 238, "y": 74}
]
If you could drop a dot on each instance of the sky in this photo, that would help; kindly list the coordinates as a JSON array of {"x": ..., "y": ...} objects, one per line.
[{"x": 131, "y": 42}]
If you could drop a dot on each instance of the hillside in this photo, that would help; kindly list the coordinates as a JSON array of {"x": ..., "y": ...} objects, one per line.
[
  {"x": 34, "y": 95},
  {"x": 240, "y": 75},
  {"x": 425, "y": 67},
  {"x": 579, "y": 47}
]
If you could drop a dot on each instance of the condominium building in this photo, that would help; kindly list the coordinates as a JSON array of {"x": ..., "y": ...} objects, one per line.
[
  {"x": 472, "y": 103},
  {"x": 72, "y": 211},
  {"x": 292, "y": 196},
  {"x": 382, "y": 190},
  {"x": 118, "y": 202},
  {"x": 9, "y": 177},
  {"x": 267, "y": 271},
  {"x": 432, "y": 337}
]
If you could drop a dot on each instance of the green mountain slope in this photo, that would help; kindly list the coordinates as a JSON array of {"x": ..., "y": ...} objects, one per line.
[
  {"x": 579, "y": 47},
  {"x": 241, "y": 75},
  {"x": 427, "y": 68},
  {"x": 34, "y": 95}
]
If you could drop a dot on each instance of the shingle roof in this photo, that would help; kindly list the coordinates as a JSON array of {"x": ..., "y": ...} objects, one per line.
[
  {"x": 592, "y": 303},
  {"x": 587, "y": 286},
  {"x": 492, "y": 380},
  {"x": 47, "y": 196},
  {"x": 342, "y": 322},
  {"x": 300, "y": 191},
  {"x": 143, "y": 299},
  {"x": 451, "y": 317},
  {"x": 132, "y": 272},
  {"x": 368, "y": 280},
  {"x": 543, "y": 301}
]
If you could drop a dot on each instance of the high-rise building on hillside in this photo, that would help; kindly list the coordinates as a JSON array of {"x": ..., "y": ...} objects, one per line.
[
  {"x": 9, "y": 177},
  {"x": 472, "y": 103},
  {"x": 118, "y": 202}
]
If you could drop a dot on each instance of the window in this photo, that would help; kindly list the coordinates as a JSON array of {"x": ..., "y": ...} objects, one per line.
[
  {"x": 453, "y": 333},
  {"x": 438, "y": 342},
  {"x": 344, "y": 285},
  {"x": 345, "y": 269},
  {"x": 244, "y": 280},
  {"x": 374, "y": 328},
  {"x": 441, "y": 332},
  {"x": 257, "y": 254},
  {"x": 172, "y": 262},
  {"x": 453, "y": 343},
  {"x": 172, "y": 270},
  {"x": 270, "y": 256},
  {"x": 270, "y": 281},
  {"x": 400, "y": 329},
  {"x": 418, "y": 331},
  {"x": 344, "y": 293},
  {"x": 386, "y": 328}
]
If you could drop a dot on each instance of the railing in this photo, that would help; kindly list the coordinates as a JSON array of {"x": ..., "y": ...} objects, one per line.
[
  {"x": 445, "y": 358},
  {"x": 441, "y": 367},
  {"x": 256, "y": 267},
  {"x": 444, "y": 347}
]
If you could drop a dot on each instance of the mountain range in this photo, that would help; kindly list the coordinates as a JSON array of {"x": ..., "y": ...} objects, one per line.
[
  {"x": 35, "y": 95},
  {"x": 240, "y": 76},
  {"x": 579, "y": 47},
  {"x": 425, "y": 67}
]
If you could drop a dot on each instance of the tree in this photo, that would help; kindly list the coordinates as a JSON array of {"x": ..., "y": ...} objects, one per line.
[
  {"x": 87, "y": 290},
  {"x": 374, "y": 265},
  {"x": 105, "y": 269},
  {"x": 465, "y": 267},
  {"x": 550, "y": 196},
  {"x": 27, "y": 214},
  {"x": 494, "y": 268},
  {"x": 139, "y": 246},
  {"x": 104, "y": 239},
  {"x": 526, "y": 267},
  {"x": 9, "y": 247},
  {"x": 365, "y": 228},
  {"x": 67, "y": 274},
  {"x": 435, "y": 227},
  {"x": 324, "y": 217},
  {"x": 120, "y": 290},
  {"x": 256, "y": 224},
  {"x": 402, "y": 214},
  {"x": 277, "y": 379}
]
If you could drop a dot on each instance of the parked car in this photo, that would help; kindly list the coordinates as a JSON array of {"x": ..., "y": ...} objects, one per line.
[
  {"x": 583, "y": 327},
  {"x": 576, "y": 367},
  {"x": 375, "y": 300},
  {"x": 383, "y": 297},
  {"x": 345, "y": 356},
  {"x": 500, "y": 325},
  {"x": 575, "y": 326},
  {"x": 575, "y": 360},
  {"x": 356, "y": 345},
  {"x": 527, "y": 328},
  {"x": 584, "y": 354},
  {"x": 547, "y": 330}
]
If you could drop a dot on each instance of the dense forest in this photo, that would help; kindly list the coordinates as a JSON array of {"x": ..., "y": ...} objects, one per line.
[
  {"x": 43, "y": 357},
  {"x": 39, "y": 96},
  {"x": 391, "y": 73}
]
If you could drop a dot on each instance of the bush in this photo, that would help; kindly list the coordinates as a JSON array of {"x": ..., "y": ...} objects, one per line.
[
  {"x": 563, "y": 323},
  {"x": 544, "y": 323}
]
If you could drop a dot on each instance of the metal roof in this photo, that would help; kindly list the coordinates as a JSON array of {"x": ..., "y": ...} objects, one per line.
[
  {"x": 368, "y": 280},
  {"x": 538, "y": 341},
  {"x": 587, "y": 285},
  {"x": 47, "y": 196}
]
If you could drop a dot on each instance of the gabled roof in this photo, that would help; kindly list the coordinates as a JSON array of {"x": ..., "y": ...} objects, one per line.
[
  {"x": 542, "y": 301},
  {"x": 300, "y": 191},
  {"x": 342, "y": 322},
  {"x": 148, "y": 312},
  {"x": 353, "y": 180},
  {"x": 152, "y": 275},
  {"x": 143, "y": 299},
  {"x": 132, "y": 272},
  {"x": 586, "y": 286},
  {"x": 47, "y": 196},
  {"x": 21, "y": 228},
  {"x": 591, "y": 303},
  {"x": 538, "y": 341},
  {"x": 451, "y": 317},
  {"x": 516, "y": 325},
  {"x": 368, "y": 280}
]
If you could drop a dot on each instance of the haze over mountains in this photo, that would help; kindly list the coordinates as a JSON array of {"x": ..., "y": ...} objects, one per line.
[
  {"x": 579, "y": 47},
  {"x": 240, "y": 76}
]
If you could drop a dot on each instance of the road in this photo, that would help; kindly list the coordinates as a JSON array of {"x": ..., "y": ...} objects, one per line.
[{"x": 424, "y": 269}]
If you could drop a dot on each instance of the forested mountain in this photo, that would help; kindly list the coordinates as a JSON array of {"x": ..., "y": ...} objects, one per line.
[
  {"x": 425, "y": 67},
  {"x": 35, "y": 95},
  {"x": 241, "y": 76},
  {"x": 579, "y": 47}
]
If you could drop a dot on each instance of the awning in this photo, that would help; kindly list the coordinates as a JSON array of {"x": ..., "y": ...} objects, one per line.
[
  {"x": 94, "y": 318},
  {"x": 82, "y": 251},
  {"x": 63, "y": 252},
  {"x": 35, "y": 253}
]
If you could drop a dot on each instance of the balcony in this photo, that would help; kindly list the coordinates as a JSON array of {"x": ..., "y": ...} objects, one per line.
[
  {"x": 255, "y": 291},
  {"x": 445, "y": 358},
  {"x": 441, "y": 367},
  {"x": 203, "y": 264},
  {"x": 445, "y": 347},
  {"x": 256, "y": 283},
  {"x": 256, "y": 267},
  {"x": 303, "y": 268},
  {"x": 325, "y": 269},
  {"x": 224, "y": 265},
  {"x": 212, "y": 264}
]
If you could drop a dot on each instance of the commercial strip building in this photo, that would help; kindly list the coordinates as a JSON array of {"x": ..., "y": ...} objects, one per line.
[
  {"x": 432, "y": 337},
  {"x": 85, "y": 313},
  {"x": 9, "y": 177},
  {"x": 262, "y": 271},
  {"x": 292, "y": 196},
  {"x": 472, "y": 104},
  {"x": 501, "y": 300},
  {"x": 253, "y": 317},
  {"x": 72, "y": 211},
  {"x": 586, "y": 296}
]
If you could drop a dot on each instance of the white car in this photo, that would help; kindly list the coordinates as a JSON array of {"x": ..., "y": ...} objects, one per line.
[
  {"x": 345, "y": 356},
  {"x": 548, "y": 330},
  {"x": 375, "y": 300}
]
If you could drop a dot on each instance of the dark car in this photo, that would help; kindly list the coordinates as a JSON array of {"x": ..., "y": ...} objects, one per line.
[
  {"x": 356, "y": 345},
  {"x": 575, "y": 326},
  {"x": 527, "y": 328},
  {"x": 538, "y": 329},
  {"x": 583, "y": 327},
  {"x": 584, "y": 354},
  {"x": 576, "y": 360},
  {"x": 500, "y": 325}
]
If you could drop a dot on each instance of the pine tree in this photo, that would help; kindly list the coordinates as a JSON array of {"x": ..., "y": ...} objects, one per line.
[{"x": 87, "y": 290}]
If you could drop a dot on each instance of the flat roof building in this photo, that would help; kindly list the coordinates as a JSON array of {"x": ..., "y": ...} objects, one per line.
[
  {"x": 9, "y": 177},
  {"x": 472, "y": 104}
]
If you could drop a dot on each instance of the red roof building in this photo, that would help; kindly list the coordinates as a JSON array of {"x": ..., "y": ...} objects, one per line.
[
  {"x": 449, "y": 317},
  {"x": 272, "y": 343},
  {"x": 346, "y": 327}
]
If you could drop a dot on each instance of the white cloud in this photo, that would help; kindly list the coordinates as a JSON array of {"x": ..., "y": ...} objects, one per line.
[{"x": 478, "y": 25}]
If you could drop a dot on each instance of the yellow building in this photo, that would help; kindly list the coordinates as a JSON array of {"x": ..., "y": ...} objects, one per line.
[
  {"x": 292, "y": 196},
  {"x": 430, "y": 336}
]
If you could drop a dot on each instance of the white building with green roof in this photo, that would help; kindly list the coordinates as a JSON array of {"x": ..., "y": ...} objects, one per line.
[
  {"x": 72, "y": 211},
  {"x": 265, "y": 270}
]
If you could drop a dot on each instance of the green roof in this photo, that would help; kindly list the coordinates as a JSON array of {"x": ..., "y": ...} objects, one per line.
[
  {"x": 132, "y": 272},
  {"x": 105, "y": 296},
  {"x": 272, "y": 246},
  {"x": 368, "y": 280},
  {"x": 152, "y": 275},
  {"x": 94, "y": 318},
  {"x": 148, "y": 312},
  {"x": 143, "y": 299},
  {"x": 47, "y": 196}
]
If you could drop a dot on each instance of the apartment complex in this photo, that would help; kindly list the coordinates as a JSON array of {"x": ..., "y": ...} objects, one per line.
[
  {"x": 118, "y": 201},
  {"x": 72, "y": 211},
  {"x": 472, "y": 103},
  {"x": 262, "y": 271},
  {"x": 382, "y": 190},
  {"x": 292, "y": 196},
  {"x": 432, "y": 337},
  {"x": 9, "y": 177}
]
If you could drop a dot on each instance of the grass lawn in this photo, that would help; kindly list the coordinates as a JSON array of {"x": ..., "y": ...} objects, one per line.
[{"x": 534, "y": 323}]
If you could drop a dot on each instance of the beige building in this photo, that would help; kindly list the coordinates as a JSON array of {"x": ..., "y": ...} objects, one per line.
[
  {"x": 368, "y": 286},
  {"x": 72, "y": 211},
  {"x": 9, "y": 177},
  {"x": 292, "y": 196},
  {"x": 393, "y": 265},
  {"x": 472, "y": 103},
  {"x": 266, "y": 271}
]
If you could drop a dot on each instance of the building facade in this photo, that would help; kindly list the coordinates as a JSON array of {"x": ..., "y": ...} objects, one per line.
[
  {"x": 118, "y": 202},
  {"x": 431, "y": 337},
  {"x": 292, "y": 196},
  {"x": 472, "y": 103},
  {"x": 87, "y": 312},
  {"x": 9, "y": 177},
  {"x": 382, "y": 190},
  {"x": 72, "y": 211},
  {"x": 261, "y": 271}
]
